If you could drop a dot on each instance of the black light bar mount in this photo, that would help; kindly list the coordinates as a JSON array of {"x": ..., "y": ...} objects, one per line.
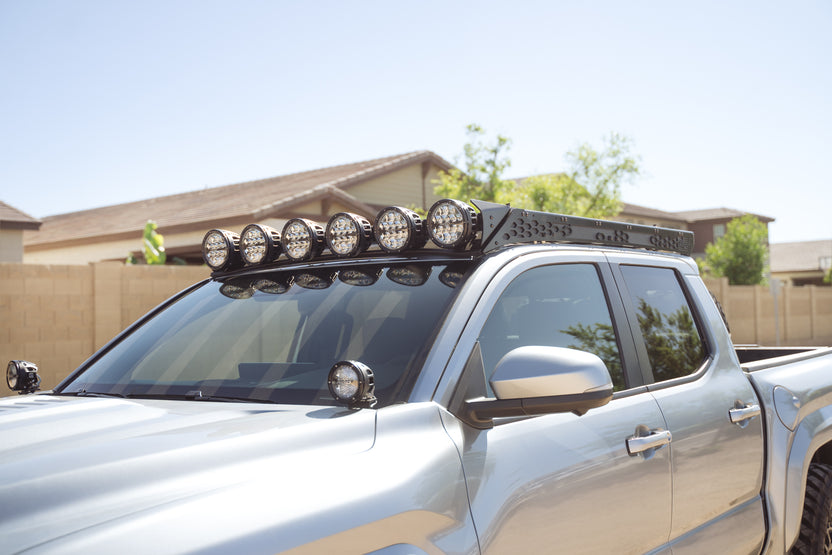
[{"x": 503, "y": 225}]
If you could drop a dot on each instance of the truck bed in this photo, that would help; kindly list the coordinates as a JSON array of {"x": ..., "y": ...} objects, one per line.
[{"x": 753, "y": 358}]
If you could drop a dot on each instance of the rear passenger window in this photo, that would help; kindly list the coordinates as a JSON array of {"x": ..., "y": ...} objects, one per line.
[
  {"x": 561, "y": 305},
  {"x": 674, "y": 345}
]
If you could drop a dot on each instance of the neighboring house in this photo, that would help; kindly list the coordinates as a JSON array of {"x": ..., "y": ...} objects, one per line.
[
  {"x": 709, "y": 225},
  {"x": 634, "y": 214},
  {"x": 13, "y": 223},
  {"x": 803, "y": 263},
  {"x": 111, "y": 232}
]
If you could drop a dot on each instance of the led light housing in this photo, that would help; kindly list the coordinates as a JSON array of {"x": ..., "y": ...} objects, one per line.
[
  {"x": 302, "y": 239},
  {"x": 315, "y": 280},
  {"x": 348, "y": 234},
  {"x": 352, "y": 383},
  {"x": 410, "y": 275},
  {"x": 399, "y": 229},
  {"x": 272, "y": 287},
  {"x": 259, "y": 244},
  {"x": 451, "y": 224},
  {"x": 22, "y": 376},
  {"x": 221, "y": 249},
  {"x": 360, "y": 276}
]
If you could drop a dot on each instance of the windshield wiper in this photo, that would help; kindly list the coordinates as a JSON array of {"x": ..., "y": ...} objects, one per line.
[
  {"x": 195, "y": 395},
  {"x": 85, "y": 393}
]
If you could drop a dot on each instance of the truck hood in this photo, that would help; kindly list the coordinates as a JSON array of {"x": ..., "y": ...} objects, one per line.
[{"x": 70, "y": 464}]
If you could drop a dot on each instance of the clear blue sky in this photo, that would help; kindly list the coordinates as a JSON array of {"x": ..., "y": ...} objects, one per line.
[{"x": 112, "y": 101}]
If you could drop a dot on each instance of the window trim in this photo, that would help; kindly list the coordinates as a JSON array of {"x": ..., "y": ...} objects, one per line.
[{"x": 638, "y": 338}]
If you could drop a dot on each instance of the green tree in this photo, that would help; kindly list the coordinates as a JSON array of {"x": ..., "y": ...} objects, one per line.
[
  {"x": 741, "y": 254},
  {"x": 591, "y": 187},
  {"x": 827, "y": 278},
  {"x": 154, "y": 249},
  {"x": 484, "y": 166}
]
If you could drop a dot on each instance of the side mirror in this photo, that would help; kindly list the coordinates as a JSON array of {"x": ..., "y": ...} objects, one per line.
[
  {"x": 542, "y": 380},
  {"x": 22, "y": 376}
]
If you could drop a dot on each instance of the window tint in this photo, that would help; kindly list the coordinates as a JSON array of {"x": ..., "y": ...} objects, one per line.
[
  {"x": 673, "y": 343},
  {"x": 555, "y": 306}
]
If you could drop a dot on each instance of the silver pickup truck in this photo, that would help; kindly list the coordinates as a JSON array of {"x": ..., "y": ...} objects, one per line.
[{"x": 533, "y": 383}]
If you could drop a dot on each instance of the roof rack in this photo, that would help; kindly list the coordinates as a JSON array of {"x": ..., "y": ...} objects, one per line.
[{"x": 503, "y": 225}]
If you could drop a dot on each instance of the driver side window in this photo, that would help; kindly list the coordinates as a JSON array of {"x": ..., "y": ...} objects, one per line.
[{"x": 560, "y": 305}]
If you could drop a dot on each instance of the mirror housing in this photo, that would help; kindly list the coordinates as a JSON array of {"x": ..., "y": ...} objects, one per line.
[
  {"x": 22, "y": 376},
  {"x": 536, "y": 380}
]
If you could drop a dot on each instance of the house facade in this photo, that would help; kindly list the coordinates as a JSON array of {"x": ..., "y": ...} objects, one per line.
[{"x": 13, "y": 223}]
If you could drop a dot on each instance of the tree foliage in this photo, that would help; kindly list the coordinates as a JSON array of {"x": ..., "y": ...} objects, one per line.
[
  {"x": 154, "y": 249},
  {"x": 591, "y": 187},
  {"x": 741, "y": 254},
  {"x": 484, "y": 166}
]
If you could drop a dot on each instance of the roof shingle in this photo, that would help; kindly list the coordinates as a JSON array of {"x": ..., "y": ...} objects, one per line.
[{"x": 254, "y": 199}]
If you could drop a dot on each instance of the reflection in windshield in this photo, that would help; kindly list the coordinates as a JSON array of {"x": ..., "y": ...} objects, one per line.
[{"x": 274, "y": 336}]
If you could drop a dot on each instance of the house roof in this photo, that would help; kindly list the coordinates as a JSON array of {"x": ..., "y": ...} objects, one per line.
[
  {"x": 645, "y": 212},
  {"x": 692, "y": 216},
  {"x": 252, "y": 199},
  {"x": 12, "y": 218},
  {"x": 799, "y": 257}
]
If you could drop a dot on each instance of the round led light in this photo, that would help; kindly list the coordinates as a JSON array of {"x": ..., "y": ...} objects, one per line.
[
  {"x": 220, "y": 249},
  {"x": 352, "y": 383},
  {"x": 315, "y": 280},
  {"x": 398, "y": 229},
  {"x": 272, "y": 287},
  {"x": 410, "y": 275},
  {"x": 348, "y": 234},
  {"x": 259, "y": 244},
  {"x": 22, "y": 376},
  {"x": 451, "y": 224},
  {"x": 302, "y": 239},
  {"x": 359, "y": 276}
]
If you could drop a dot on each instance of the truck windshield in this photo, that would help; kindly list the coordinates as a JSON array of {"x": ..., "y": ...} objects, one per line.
[{"x": 273, "y": 337}]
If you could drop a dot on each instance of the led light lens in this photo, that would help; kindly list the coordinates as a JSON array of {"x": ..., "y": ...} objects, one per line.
[
  {"x": 348, "y": 234},
  {"x": 259, "y": 243},
  {"x": 302, "y": 239},
  {"x": 353, "y": 383},
  {"x": 398, "y": 229},
  {"x": 220, "y": 249},
  {"x": 344, "y": 382},
  {"x": 410, "y": 275},
  {"x": 11, "y": 375},
  {"x": 451, "y": 223}
]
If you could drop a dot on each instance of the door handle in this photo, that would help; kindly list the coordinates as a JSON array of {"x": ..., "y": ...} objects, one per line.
[
  {"x": 742, "y": 413},
  {"x": 647, "y": 441}
]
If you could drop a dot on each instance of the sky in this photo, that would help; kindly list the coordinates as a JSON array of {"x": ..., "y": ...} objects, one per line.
[{"x": 727, "y": 103}]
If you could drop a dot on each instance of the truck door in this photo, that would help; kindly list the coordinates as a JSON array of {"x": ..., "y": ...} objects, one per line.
[
  {"x": 563, "y": 483},
  {"x": 709, "y": 406}
]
